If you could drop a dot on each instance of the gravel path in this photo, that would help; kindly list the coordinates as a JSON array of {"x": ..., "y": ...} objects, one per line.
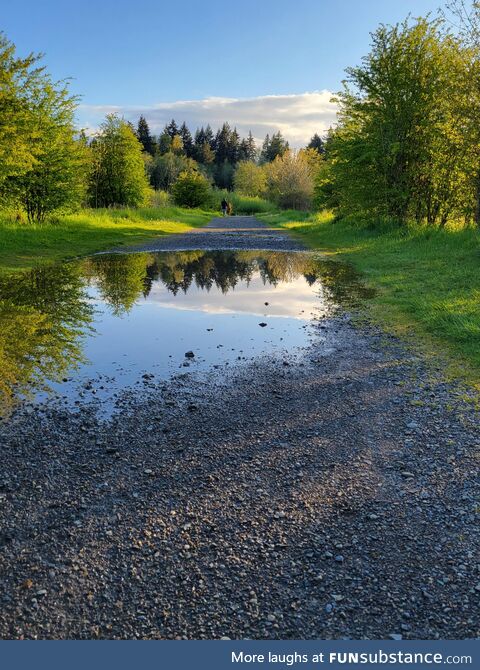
[
  {"x": 335, "y": 496},
  {"x": 233, "y": 232}
]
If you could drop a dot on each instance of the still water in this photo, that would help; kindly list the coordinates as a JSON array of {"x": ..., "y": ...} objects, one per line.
[{"x": 82, "y": 332}]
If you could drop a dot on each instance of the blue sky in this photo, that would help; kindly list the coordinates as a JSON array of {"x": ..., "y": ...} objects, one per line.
[{"x": 131, "y": 56}]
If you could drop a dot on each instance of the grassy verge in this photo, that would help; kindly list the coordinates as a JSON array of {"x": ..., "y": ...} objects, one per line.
[
  {"x": 242, "y": 204},
  {"x": 427, "y": 280},
  {"x": 23, "y": 246}
]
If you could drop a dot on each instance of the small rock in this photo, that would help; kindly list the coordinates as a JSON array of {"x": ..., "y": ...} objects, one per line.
[
  {"x": 395, "y": 636},
  {"x": 262, "y": 325},
  {"x": 189, "y": 354},
  {"x": 339, "y": 558}
]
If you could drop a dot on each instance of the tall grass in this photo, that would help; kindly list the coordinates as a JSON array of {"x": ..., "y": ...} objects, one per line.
[
  {"x": 242, "y": 204},
  {"x": 427, "y": 278}
]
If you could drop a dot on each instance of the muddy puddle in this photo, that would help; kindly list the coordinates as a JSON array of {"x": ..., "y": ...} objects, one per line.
[{"x": 85, "y": 331}]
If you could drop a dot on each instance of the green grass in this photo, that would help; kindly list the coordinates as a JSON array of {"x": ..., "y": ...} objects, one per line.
[
  {"x": 23, "y": 246},
  {"x": 242, "y": 204},
  {"x": 427, "y": 280}
]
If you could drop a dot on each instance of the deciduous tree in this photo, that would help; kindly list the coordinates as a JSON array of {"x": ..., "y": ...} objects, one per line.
[{"x": 118, "y": 175}]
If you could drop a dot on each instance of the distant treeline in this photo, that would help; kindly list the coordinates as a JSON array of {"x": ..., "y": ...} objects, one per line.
[
  {"x": 219, "y": 153},
  {"x": 48, "y": 166}
]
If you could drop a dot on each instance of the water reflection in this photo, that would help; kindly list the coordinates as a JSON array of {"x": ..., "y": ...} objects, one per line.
[
  {"x": 44, "y": 316},
  {"x": 144, "y": 307}
]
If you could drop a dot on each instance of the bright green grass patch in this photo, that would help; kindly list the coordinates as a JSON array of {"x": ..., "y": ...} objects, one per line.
[
  {"x": 427, "y": 280},
  {"x": 23, "y": 246},
  {"x": 242, "y": 204}
]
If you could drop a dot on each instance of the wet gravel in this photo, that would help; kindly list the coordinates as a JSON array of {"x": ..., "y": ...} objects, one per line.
[
  {"x": 327, "y": 496},
  {"x": 231, "y": 232}
]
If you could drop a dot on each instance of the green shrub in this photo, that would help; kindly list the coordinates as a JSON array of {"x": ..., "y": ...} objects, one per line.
[
  {"x": 160, "y": 199},
  {"x": 191, "y": 189},
  {"x": 242, "y": 204}
]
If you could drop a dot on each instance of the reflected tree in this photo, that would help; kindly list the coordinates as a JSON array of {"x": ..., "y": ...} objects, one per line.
[
  {"x": 44, "y": 315},
  {"x": 123, "y": 279}
]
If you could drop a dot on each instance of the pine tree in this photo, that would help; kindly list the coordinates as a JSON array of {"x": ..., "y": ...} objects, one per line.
[
  {"x": 248, "y": 149},
  {"x": 251, "y": 147},
  {"x": 264, "y": 154},
  {"x": 143, "y": 134},
  {"x": 222, "y": 144},
  {"x": 278, "y": 146},
  {"x": 209, "y": 135},
  {"x": 172, "y": 128},
  {"x": 233, "y": 147},
  {"x": 317, "y": 143},
  {"x": 186, "y": 135},
  {"x": 164, "y": 142}
]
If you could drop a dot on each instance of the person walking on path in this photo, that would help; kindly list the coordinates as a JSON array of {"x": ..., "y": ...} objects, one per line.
[{"x": 224, "y": 207}]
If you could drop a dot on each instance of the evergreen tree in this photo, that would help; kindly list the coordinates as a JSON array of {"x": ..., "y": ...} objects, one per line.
[
  {"x": 317, "y": 143},
  {"x": 143, "y": 134},
  {"x": 278, "y": 146},
  {"x": 209, "y": 135},
  {"x": 222, "y": 145},
  {"x": 188, "y": 146},
  {"x": 233, "y": 147},
  {"x": 273, "y": 147},
  {"x": 223, "y": 175},
  {"x": 250, "y": 147},
  {"x": 172, "y": 129},
  {"x": 264, "y": 154},
  {"x": 203, "y": 152},
  {"x": 164, "y": 142}
]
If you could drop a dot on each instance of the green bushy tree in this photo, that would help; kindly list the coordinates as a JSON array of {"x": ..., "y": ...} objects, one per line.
[
  {"x": 191, "y": 189},
  {"x": 118, "y": 174},
  {"x": 290, "y": 181},
  {"x": 42, "y": 164},
  {"x": 401, "y": 148},
  {"x": 250, "y": 179},
  {"x": 165, "y": 170}
]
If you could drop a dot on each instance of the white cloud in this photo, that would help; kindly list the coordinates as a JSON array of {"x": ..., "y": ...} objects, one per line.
[{"x": 297, "y": 116}]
